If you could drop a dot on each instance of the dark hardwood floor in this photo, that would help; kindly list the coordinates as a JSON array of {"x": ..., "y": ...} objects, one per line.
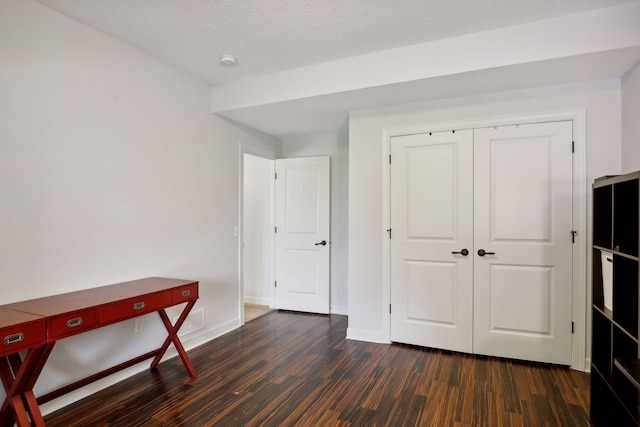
[{"x": 286, "y": 369}]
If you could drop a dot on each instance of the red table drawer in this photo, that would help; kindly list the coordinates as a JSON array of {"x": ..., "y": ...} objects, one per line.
[
  {"x": 14, "y": 339},
  {"x": 186, "y": 293},
  {"x": 134, "y": 307},
  {"x": 72, "y": 323}
]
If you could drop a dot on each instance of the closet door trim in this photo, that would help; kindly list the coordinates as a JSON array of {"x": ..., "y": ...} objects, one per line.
[{"x": 580, "y": 347}]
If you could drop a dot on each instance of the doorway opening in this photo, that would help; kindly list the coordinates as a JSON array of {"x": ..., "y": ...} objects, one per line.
[
  {"x": 256, "y": 234},
  {"x": 299, "y": 281}
]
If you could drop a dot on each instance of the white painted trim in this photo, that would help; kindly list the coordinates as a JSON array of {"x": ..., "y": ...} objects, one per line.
[
  {"x": 196, "y": 340},
  {"x": 580, "y": 188},
  {"x": 241, "y": 234},
  {"x": 272, "y": 225},
  {"x": 386, "y": 241},
  {"x": 270, "y": 155},
  {"x": 580, "y": 360},
  {"x": 257, "y": 151},
  {"x": 364, "y": 335},
  {"x": 257, "y": 300},
  {"x": 339, "y": 309},
  {"x": 189, "y": 344}
]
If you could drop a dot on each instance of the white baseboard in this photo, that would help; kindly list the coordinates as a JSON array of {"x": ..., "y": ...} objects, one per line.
[
  {"x": 189, "y": 342},
  {"x": 81, "y": 393},
  {"x": 340, "y": 309},
  {"x": 364, "y": 335},
  {"x": 256, "y": 300},
  {"x": 193, "y": 340}
]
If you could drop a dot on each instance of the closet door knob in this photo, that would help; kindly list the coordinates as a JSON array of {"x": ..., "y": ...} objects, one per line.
[
  {"x": 463, "y": 252},
  {"x": 482, "y": 252}
]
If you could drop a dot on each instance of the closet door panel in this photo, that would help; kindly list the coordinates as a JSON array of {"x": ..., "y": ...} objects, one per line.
[
  {"x": 523, "y": 222},
  {"x": 431, "y": 218}
]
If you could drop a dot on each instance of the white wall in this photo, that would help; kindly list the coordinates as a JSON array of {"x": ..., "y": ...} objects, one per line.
[
  {"x": 258, "y": 244},
  {"x": 112, "y": 168},
  {"x": 601, "y": 99},
  {"x": 337, "y": 147},
  {"x": 631, "y": 120}
]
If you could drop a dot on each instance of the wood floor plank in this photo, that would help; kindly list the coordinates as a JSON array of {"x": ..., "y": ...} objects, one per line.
[{"x": 291, "y": 369}]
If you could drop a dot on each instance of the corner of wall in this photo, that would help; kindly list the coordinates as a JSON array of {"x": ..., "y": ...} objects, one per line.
[{"x": 630, "y": 105}]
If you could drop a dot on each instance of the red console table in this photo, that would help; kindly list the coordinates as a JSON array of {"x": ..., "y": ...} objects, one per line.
[
  {"x": 19, "y": 331},
  {"x": 36, "y": 325}
]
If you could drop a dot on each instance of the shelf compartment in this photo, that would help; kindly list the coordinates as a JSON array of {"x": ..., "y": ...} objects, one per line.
[
  {"x": 626, "y": 382},
  {"x": 625, "y": 217},
  {"x": 621, "y": 417},
  {"x": 625, "y": 294},
  {"x": 601, "y": 349},
  {"x": 602, "y": 216},
  {"x": 624, "y": 348},
  {"x": 601, "y": 400},
  {"x": 623, "y": 345},
  {"x": 602, "y": 279}
]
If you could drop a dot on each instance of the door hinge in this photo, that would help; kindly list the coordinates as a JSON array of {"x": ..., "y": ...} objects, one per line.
[
  {"x": 573, "y": 236},
  {"x": 389, "y": 231},
  {"x": 275, "y": 284},
  {"x": 573, "y": 146},
  {"x": 276, "y": 174},
  {"x": 389, "y": 158},
  {"x": 389, "y": 308},
  {"x": 276, "y": 229},
  {"x": 572, "y": 327}
]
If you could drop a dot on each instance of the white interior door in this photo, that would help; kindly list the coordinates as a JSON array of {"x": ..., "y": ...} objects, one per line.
[
  {"x": 302, "y": 234},
  {"x": 431, "y": 219},
  {"x": 523, "y": 214}
]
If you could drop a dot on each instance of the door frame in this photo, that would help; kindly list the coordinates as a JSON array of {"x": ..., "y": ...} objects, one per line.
[
  {"x": 579, "y": 359},
  {"x": 269, "y": 155}
]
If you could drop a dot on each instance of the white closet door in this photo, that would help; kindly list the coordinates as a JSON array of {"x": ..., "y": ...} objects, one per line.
[
  {"x": 432, "y": 217},
  {"x": 523, "y": 220}
]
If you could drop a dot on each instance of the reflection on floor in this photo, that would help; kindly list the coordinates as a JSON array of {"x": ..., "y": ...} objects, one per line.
[{"x": 253, "y": 311}]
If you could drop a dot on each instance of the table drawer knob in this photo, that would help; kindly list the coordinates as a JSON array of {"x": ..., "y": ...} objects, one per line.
[
  {"x": 72, "y": 323},
  {"x": 138, "y": 305},
  {"x": 186, "y": 293},
  {"x": 12, "y": 339}
]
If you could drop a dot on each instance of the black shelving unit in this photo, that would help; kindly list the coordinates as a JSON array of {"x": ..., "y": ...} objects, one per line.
[{"x": 615, "y": 364}]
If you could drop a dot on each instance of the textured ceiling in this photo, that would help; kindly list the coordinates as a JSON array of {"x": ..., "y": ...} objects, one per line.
[{"x": 274, "y": 35}]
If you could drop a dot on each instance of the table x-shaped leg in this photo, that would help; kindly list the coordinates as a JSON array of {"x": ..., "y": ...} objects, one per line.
[
  {"x": 173, "y": 338},
  {"x": 18, "y": 378}
]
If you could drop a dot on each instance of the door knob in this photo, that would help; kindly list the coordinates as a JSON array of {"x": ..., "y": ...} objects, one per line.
[
  {"x": 324, "y": 242},
  {"x": 463, "y": 252},
  {"x": 482, "y": 252}
]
